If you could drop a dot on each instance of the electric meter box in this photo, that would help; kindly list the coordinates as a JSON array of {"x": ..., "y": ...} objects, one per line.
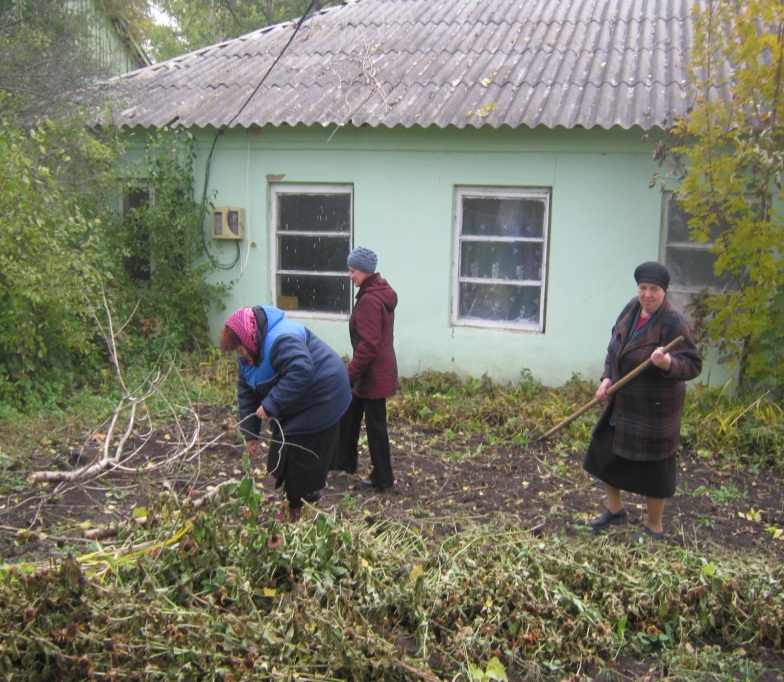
[{"x": 228, "y": 223}]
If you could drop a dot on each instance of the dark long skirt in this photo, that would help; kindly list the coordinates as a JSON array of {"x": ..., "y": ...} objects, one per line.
[
  {"x": 301, "y": 463},
  {"x": 651, "y": 479}
]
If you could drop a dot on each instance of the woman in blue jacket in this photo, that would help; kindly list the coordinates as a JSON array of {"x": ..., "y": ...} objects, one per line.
[{"x": 289, "y": 377}]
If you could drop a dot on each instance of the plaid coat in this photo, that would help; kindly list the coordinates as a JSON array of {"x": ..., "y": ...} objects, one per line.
[{"x": 648, "y": 409}]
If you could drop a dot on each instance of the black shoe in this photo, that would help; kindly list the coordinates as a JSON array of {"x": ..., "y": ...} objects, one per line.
[
  {"x": 367, "y": 483},
  {"x": 646, "y": 534},
  {"x": 607, "y": 518},
  {"x": 312, "y": 498}
]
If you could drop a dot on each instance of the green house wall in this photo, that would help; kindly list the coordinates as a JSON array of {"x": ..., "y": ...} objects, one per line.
[
  {"x": 114, "y": 53},
  {"x": 605, "y": 220}
]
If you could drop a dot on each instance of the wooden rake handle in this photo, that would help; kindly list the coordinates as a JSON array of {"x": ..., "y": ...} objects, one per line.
[{"x": 613, "y": 388}]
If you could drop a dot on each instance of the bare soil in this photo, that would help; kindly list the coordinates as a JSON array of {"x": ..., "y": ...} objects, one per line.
[{"x": 439, "y": 484}]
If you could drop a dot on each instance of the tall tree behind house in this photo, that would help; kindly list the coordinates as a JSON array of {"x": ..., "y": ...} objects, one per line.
[{"x": 198, "y": 23}]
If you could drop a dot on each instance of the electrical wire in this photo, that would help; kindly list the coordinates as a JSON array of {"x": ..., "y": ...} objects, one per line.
[{"x": 229, "y": 124}]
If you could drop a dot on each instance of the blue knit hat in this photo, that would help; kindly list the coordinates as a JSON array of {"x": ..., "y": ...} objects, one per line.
[{"x": 363, "y": 259}]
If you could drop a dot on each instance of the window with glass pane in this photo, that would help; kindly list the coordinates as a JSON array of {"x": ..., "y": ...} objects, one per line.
[
  {"x": 501, "y": 258},
  {"x": 136, "y": 233},
  {"x": 690, "y": 263},
  {"x": 312, "y": 227}
]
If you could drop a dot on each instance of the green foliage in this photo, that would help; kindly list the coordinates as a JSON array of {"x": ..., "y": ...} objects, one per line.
[
  {"x": 731, "y": 428},
  {"x": 48, "y": 258},
  {"x": 56, "y": 177},
  {"x": 205, "y": 22},
  {"x": 156, "y": 248},
  {"x": 47, "y": 244},
  {"x": 65, "y": 249},
  {"x": 511, "y": 413},
  {"x": 228, "y": 592},
  {"x": 734, "y": 428},
  {"x": 134, "y": 15},
  {"x": 494, "y": 671},
  {"x": 47, "y": 53},
  {"x": 446, "y": 403},
  {"x": 201, "y": 595},
  {"x": 726, "y": 158}
]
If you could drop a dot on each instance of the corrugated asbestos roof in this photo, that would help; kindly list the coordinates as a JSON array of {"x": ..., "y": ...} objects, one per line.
[{"x": 432, "y": 63}]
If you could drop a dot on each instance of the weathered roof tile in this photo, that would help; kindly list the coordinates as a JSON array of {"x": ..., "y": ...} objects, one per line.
[{"x": 432, "y": 63}]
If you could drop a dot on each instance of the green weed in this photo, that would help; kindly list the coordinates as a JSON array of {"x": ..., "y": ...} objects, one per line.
[
  {"x": 483, "y": 595},
  {"x": 719, "y": 426},
  {"x": 734, "y": 427},
  {"x": 726, "y": 495}
]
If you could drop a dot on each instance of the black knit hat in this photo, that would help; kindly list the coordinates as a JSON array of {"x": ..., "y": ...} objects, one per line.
[{"x": 652, "y": 273}]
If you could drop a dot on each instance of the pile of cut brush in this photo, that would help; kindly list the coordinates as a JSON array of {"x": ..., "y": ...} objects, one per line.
[
  {"x": 428, "y": 582},
  {"x": 192, "y": 596}
]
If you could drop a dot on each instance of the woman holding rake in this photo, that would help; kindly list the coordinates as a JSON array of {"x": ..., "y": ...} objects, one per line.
[{"x": 634, "y": 443}]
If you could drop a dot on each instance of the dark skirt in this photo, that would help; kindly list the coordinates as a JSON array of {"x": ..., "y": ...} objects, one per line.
[
  {"x": 301, "y": 463},
  {"x": 651, "y": 479}
]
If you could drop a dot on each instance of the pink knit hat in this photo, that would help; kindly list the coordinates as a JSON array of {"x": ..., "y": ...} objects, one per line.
[{"x": 243, "y": 324}]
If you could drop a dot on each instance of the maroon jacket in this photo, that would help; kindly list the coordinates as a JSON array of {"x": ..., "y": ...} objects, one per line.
[
  {"x": 372, "y": 371},
  {"x": 648, "y": 409}
]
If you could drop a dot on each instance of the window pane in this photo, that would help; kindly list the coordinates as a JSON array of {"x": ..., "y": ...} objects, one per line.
[
  {"x": 500, "y": 302},
  {"x": 490, "y": 217},
  {"x": 677, "y": 223},
  {"x": 296, "y": 252},
  {"x": 501, "y": 260},
  {"x": 137, "y": 197},
  {"x": 501, "y": 256},
  {"x": 314, "y": 212},
  {"x": 693, "y": 269},
  {"x": 330, "y": 294},
  {"x": 136, "y": 234},
  {"x": 313, "y": 226},
  {"x": 690, "y": 264}
]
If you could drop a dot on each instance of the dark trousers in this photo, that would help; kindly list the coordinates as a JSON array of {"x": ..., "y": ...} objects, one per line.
[{"x": 375, "y": 414}]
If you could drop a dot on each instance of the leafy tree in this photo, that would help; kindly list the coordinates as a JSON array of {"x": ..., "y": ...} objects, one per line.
[
  {"x": 727, "y": 157},
  {"x": 48, "y": 51},
  {"x": 135, "y": 15},
  {"x": 156, "y": 252},
  {"x": 44, "y": 55},
  {"x": 63, "y": 244},
  {"x": 205, "y": 22},
  {"x": 54, "y": 175},
  {"x": 48, "y": 260}
]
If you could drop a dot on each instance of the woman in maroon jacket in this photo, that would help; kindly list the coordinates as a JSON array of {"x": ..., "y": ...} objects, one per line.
[
  {"x": 372, "y": 371},
  {"x": 634, "y": 443}
]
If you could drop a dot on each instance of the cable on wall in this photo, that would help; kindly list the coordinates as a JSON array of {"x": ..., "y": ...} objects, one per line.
[{"x": 229, "y": 124}]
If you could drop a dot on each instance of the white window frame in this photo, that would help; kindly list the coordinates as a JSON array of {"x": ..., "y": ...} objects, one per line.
[
  {"x": 461, "y": 193},
  {"x": 276, "y": 189}
]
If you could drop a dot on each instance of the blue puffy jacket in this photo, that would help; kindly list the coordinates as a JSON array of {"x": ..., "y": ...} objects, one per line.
[{"x": 297, "y": 377}]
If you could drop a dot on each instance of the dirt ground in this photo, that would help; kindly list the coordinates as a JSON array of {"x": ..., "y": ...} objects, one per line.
[
  {"x": 541, "y": 489},
  {"x": 538, "y": 488}
]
